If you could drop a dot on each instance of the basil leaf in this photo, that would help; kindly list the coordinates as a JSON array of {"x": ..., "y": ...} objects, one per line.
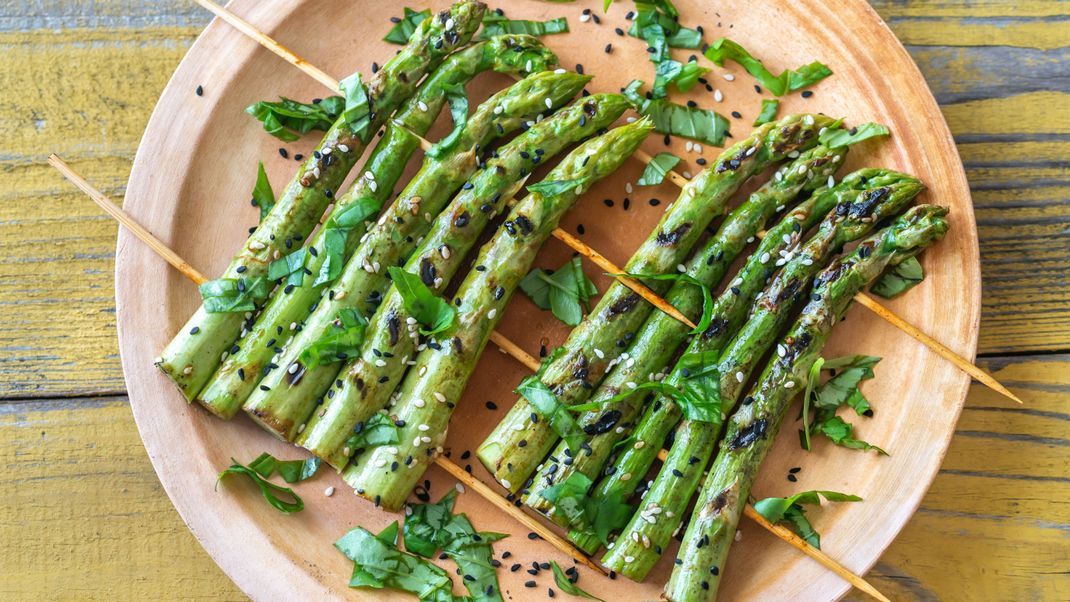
[
  {"x": 378, "y": 564},
  {"x": 376, "y": 431},
  {"x": 812, "y": 380},
  {"x": 841, "y": 389},
  {"x": 263, "y": 197},
  {"x": 336, "y": 235},
  {"x": 291, "y": 471},
  {"x": 790, "y": 510},
  {"x": 496, "y": 25},
  {"x": 838, "y": 137},
  {"x": 425, "y": 528},
  {"x": 768, "y": 112},
  {"x": 403, "y": 29},
  {"x": 601, "y": 517},
  {"x": 546, "y": 405},
  {"x": 654, "y": 173},
  {"x": 291, "y": 267},
  {"x": 270, "y": 491},
  {"x": 788, "y": 80},
  {"x": 357, "y": 112},
  {"x": 678, "y": 120},
  {"x": 566, "y": 291},
  {"x": 899, "y": 279},
  {"x": 839, "y": 431},
  {"x": 548, "y": 188},
  {"x": 230, "y": 295},
  {"x": 567, "y": 586},
  {"x": 699, "y": 397},
  {"x": 287, "y": 119},
  {"x": 432, "y": 312},
  {"x": 707, "y": 295},
  {"x": 458, "y": 102},
  {"x": 342, "y": 341}
]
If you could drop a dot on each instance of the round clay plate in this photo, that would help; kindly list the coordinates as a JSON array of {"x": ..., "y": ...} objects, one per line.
[{"x": 190, "y": 186}]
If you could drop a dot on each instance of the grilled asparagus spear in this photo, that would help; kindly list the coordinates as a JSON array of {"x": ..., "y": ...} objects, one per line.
[
  {"x": 600, "y": 338},
  {"x": 864, "y": 198},
  {"x": 752, "y": 428},
  {"x": 239, "y": 374},
  {"x": 285, "y": 397},
  {"x": 661, "y": 334},
  {"x": 387, "y": 473},
  {"x": 195, "y": 352},
  {"x": 367, "y": 383}
]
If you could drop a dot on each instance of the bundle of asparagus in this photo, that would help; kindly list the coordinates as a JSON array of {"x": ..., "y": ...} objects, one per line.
[{"x": 192, "y": 356}]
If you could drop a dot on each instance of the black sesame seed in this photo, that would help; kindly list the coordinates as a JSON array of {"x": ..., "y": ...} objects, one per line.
[
  {"x": 609, "y": 48},
  {"x": 200, "y": 90},
  {"x": 283, "y": 153},
  {"x": 608, "y": 202},
  {"x": 807, "y": 93},
  {"x": 491, "y": 405},
  {"x": 654, "y": 202}
]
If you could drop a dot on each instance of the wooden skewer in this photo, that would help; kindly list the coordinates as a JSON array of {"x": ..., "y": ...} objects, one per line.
[
  {"x": 124, "y": 218},
  {"x": 459, "y": 473},
  {"x": 864, "y": 300}
]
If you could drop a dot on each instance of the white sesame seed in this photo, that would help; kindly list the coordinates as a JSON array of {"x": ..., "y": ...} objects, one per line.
[
  {"x": 629, "y": 558},
  {"x": 764, "y": 258},
  {"x": 781, "y": 350},
  {"x": 380, "y": 363},
  {"x": 626, "y": 476},
  {"x": 793, "y": 154},
  {"x": 789, "y": 385},
  {"x": 628, "y": 187},
  {"x": 560, "y": 71},
  {"x": 422, "y": 370},
  {"x": 740, "y": 376},
  {"x": 422, "y": 105},
  {"x": 425, "y": 439},
  {"x": 739, "y": 535},
  {"x": 832, "y": 181},
  {"x": 372, "y": 185},
  {"x": 444, "y": 251},
  {"x": 686, "y": 174},
  {"x": 329, "y": 491},
  {"x": 459, "y": 487},
  {"x": 786, "y": 238},
  {"x": 585, "y": 18},
  {"x": 728, "y": 77},
  {"x": 419, "y": 403},
  {"x": 680, "y": 268},
  {"x": 423, "y": 428},
  {"x": 294, "y": 367},
  {"x": 718, "y": 95},
  {"x": 440, "y": 397},
  {"x": 416, "y": 442},
  {"x": 631, "y": 119},
  {"x": 601, "y": 355},
  {"x": 698, "y": 148},
  {"x": 492, "y": 313},
  {"x": 343, "y": 148},
  {"x": 380, "y": 462},
  {"x": 256, "y": 245},
  {"x": 549, "y": 103},
  {"x": 326, "y": 150},
  {"x": 690, "y": 146},
  {"x": 187, "y": 370},
  {"x": 630, "y": 385},
  {"x": 507, "y": 484}
]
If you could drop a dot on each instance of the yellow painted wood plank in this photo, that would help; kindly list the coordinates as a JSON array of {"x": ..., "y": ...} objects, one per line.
[
  {"x": 1033, "y": 33},
  {"x": 890, "y": 9},
  {"x": 83, "y": 515},
  {"x": 1033, "y": 113}
]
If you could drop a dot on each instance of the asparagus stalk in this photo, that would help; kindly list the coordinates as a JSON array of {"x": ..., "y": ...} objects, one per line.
[
  {"x": 601, "y": 337},
  {"x": 661, "y": 334},
  {"x": 195, "y": 352},
  {"x": 238, "y": 376},
  {"x": 368, "y": 382},
  {"x": 285, "y": 396},
  {"x": 434, "y": 385},
  {"x": 864, "y": 199},
  {"x": 729, "y": 312},
  {"x": 752, "y": 428}
]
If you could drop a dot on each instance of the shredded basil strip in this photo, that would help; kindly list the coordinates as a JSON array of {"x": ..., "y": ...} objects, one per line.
[
  {"x": 788, "y": 81},
  {"x": 263, "y": 196},
  {"x": 790, "y": 510},
  {"x": 654, "y": 173},
  {"x": 291, "y": 267},
  {"x": 600, "y": 517},
  {"x": 357, "y": 112},
  {"x": 336, "y": 236},
  {"x": 707, "y": 295},
  {"x": 376, "y": 431},
  {"x": 678, "y": 120},
  {"x": 403, "y": 29},
  {"x": 558, "y": 187},
  {"x": 899, "y": 279},
  {"x": 342, "y": 341},
  {"x": 768, "y": 112},
  {"x": 496, "y": 25},
  {"x": 270, "y": 491},
  {"x": 288, "y": 119},
  {"x": 230, "y": 295},
  {"x": 841, "y": 389},
  {"x": 291, "y": 471},
  {"x": 550, "y": 408},
  {"x": 432, "y": 312},
  {"x": 838, "y": 137},
  {"x": 565, "y": 584},
  {"x": 379, "y": 564},
  {"x": 566, "y": 292},
  {"x": 458, "y": 102}
]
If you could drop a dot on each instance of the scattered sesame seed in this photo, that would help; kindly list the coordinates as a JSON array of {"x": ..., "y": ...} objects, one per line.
[{"x": 329, "y": 491}]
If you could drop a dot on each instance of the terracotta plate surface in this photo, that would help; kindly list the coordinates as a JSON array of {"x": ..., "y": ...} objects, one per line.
[{"x": 190, "y": 186}]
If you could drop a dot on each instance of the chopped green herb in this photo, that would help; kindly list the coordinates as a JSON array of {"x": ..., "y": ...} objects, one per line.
[
  {"x": 291, "y": 471},
  {"x": 679, "y": 120},
  {"x": 263, "y": 197},
  {"x": 357, "y": 112},
  {"x": 379, "y": 564},
  {"x": 790, "y": 510},
  {"x": 458, "y": 102},
  {"x": 556, "y": 187},
  {"x": 707, "y": 295},
  {"x": 842, "y": 389},
  {"x": 336, "y": 236},
  {"x": 654, "y": 173},
  {"x": 546, "y": 405},
  {"x": 426, "y": 528},
  {"x": 788, "y": 81},
  {"x": 899, "y": 279},
  {"x": 340, "y": 342},
  {"x": 496, "y": 25},
  {"x": 287, "y": 119},
  {"x": 230, "y": 295},
  {"x": 373, "y": 432},
  {"x": 600, "y": 517},
  {"x": 270, "y": 491},
  {"x": 838, "y": 137},
  {"x": 291, "y": 267},
  {"x": 432, "y": 312},
  {"x": 768, "y": 112},
  {"x": 402, "y": 30},
  {"x": 566, "y": 292},
  {"x": 567, "y": 586}
]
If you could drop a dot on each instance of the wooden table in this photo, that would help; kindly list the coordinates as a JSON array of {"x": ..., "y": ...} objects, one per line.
[{"x": 83, "y": 516}]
